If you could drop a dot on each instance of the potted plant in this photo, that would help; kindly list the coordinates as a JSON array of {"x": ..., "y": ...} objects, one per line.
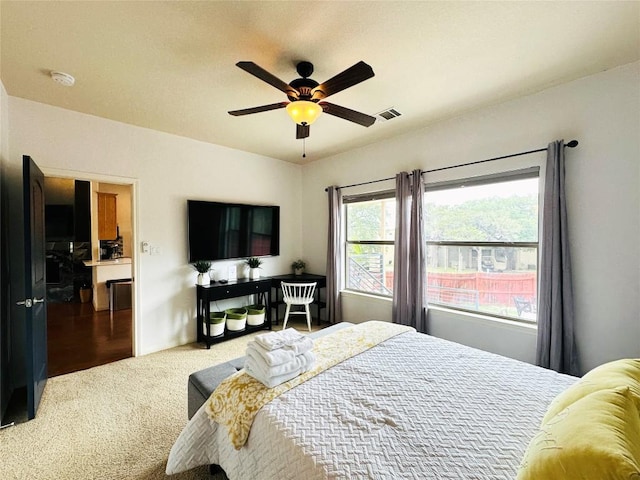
[
  {"x": 217, "y": 321},
  {"x": 254, "y": 264},
  {"x": 202, "y": 267},
  {"x": 298, "y": 267}
]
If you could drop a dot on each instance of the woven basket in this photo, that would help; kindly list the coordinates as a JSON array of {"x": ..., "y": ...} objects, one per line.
[
  {"x": 217, "y": 322},
  {"x": 236, "y": 318},
  {"x": 255, "y": 314}
]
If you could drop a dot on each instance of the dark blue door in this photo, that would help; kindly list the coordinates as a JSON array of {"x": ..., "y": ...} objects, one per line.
[{"x": 35, "y": 284}]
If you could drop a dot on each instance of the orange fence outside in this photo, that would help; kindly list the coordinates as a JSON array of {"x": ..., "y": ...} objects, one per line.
[{"x": 494, "y": 288}]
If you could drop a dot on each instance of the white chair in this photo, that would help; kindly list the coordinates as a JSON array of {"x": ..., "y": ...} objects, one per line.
[{"x": 298, "y": 294}]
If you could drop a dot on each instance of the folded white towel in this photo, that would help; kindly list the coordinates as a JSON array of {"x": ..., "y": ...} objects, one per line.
[
  {"x": 271, "y": 357},
  {"x": 301, "y": 363},
  {"x": 303, "y": 345},
  {"x": 273, "y": 340},
  {"x": 269, "y": 381}
]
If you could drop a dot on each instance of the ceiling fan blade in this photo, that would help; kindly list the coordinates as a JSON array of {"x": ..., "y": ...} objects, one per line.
[
  {"x": 302, "y": 131},
  {"x": 347, "y": 114},
  {"x": 271, "y": 79},
  {"x": 261, "y": 108},
  {"x": 350, "y": 77}
]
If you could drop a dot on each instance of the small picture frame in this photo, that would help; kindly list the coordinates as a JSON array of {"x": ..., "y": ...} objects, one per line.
[{"x": 232, "y": 275}]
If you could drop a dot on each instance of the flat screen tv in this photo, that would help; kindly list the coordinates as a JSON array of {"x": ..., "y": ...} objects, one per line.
[{"x": 221, "y": 231}]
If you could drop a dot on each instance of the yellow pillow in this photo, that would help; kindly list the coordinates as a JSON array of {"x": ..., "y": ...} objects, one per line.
[
  {"x": 619, "y": 373},
  {"x": 595, "y": 438}
]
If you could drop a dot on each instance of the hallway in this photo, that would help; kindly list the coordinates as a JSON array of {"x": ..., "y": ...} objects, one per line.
[{"x": 78, "y": 337}]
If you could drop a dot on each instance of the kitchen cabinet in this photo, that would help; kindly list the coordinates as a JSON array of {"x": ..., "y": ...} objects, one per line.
[{"x": 107, "y": 216}]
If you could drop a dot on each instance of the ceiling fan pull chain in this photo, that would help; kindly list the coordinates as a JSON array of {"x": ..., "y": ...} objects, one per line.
[{"x": 304, "y": 148}]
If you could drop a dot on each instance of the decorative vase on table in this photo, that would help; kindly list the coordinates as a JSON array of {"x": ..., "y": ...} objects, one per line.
[
  {"x": 254, "y": 264},
  {"x": 202, "y": 267},
  {"x": 298, "y": 267}
]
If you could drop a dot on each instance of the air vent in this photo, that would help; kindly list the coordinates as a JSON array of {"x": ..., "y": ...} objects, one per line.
[{"x": 388, "y": 114}]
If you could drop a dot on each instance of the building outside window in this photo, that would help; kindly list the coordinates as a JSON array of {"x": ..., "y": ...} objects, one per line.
[{"x": 482, "y": 244}]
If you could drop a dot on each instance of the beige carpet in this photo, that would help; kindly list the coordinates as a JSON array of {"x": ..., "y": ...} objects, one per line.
[{"x": 116, "y": 421}]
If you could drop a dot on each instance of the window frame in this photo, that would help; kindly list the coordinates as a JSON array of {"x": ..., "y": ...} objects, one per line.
[
  {"x": 512, "y": 175},
  {"x": 498, "y": 177},
  {"x": 359, "y": 198}
]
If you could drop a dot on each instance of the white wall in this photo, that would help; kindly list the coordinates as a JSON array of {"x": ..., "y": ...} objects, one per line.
[
  {"x": 167, "y": 170},
  {"x": 4, "y": 121},
  {"x": 603, "y": 181}
]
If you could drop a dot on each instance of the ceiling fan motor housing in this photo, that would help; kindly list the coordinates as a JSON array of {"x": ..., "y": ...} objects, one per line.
[
  {"x": 304, "y": 86},
  {"x": 304, "y": 69}
]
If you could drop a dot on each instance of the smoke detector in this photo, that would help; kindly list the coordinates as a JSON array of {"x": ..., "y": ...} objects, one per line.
[{"x": 63, "y": 79}]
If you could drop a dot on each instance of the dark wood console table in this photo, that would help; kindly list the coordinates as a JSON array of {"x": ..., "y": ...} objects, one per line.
[
  {"x": 220, "y": 291},
  {"x": 321, "y": 281}
]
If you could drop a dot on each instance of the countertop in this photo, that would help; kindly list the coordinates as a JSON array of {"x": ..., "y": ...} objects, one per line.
[{"x": 106, "y": 263}]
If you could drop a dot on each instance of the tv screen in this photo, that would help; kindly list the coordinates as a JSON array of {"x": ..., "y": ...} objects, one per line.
[{"x": 220, "y": 231}]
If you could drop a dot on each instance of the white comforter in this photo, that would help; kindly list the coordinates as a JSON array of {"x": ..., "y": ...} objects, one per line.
[{"x": 412, "y": 407}]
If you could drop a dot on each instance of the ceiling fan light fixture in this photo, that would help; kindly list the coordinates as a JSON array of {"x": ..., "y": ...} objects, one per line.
[{"x": 304, "y": 112}]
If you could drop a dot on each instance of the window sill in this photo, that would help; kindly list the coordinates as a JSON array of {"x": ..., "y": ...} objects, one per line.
[
  {"x": 480, "y": 318},
  {"x": 355, "y": 294},
  {"x": 469, "y": 316}
]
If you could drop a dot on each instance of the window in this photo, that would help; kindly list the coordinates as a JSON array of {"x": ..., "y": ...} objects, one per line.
[
  {"x": 482, "y": 245},
  {"x": 370, "y": 233}
]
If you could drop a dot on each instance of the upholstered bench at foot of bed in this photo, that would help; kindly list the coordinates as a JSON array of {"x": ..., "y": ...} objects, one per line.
[{"x": 202, "y": 383}]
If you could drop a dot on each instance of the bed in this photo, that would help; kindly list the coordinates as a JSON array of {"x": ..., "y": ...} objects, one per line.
[{"x": 413, "y": 406}]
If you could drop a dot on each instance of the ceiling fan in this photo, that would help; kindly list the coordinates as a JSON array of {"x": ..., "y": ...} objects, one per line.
[{"x": 307, "y": 96}]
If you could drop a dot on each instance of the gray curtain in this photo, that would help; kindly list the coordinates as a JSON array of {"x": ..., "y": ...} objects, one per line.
[
  {"x": 334, "y": 256},
  {"x": 556, "y": 343},
  {"x": 409, "y": 272}
]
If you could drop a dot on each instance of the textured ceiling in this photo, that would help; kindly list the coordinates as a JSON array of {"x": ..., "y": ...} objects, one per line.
[{"x": 170, "y": 66}]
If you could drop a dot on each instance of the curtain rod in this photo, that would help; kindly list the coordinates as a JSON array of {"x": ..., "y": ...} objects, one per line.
[{"x": 571, "y": 144}]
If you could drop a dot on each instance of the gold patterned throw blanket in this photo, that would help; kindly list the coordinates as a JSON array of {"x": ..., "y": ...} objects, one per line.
[{"x": 238, "y": 399}]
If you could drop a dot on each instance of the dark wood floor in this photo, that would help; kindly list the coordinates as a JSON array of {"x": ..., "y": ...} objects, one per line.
[{"x": 78, "y": 337}]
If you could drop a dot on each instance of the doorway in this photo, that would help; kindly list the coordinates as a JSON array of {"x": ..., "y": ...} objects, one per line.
[{"x": 87, "y": 271}]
